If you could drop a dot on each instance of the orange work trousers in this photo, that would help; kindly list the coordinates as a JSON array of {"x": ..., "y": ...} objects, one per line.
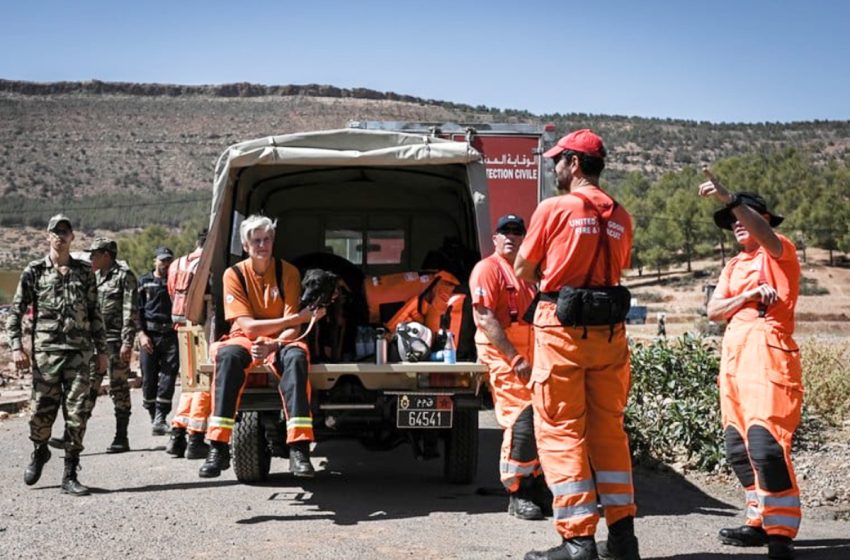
[
  {"x": 512, "y": 404},
  {"x": 229, "y": 380},
  {"x": 580, "y": 382},
  {"x": 193, "y": 409},
  {"x": 761, "y": 396}
]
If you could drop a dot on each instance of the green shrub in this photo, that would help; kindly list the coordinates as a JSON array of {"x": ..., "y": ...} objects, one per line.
[
  {"x": 809, "y": 287},
  {"x": 826, "y": 379},
  {"x": 673, "y": 413}
]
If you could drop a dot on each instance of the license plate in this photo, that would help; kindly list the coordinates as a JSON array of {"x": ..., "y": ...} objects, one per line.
[{"x": 424, "y": 411}]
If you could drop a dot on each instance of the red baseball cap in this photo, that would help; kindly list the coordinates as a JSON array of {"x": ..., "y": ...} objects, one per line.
[{"x": 584, "y": 141}]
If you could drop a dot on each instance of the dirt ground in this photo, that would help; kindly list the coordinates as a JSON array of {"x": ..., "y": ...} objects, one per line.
[{"x": 822, "y": 472}]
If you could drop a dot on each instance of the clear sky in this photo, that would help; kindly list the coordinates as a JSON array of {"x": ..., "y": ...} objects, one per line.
[{"x": 715, "y": 60}]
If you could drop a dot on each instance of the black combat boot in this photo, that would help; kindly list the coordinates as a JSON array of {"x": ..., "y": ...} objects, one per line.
[
  {"x": 780, "y": 547},
  {"x": 578, "y": 548},
  {"x": 197, "y": 449},
  {"x": 70, "y": 484},
  {"x": 218, "y": 460},
  {"x": 622, "y": 544},
  {"x": 743, "y": 536},
  {"x": 120, "y": 444},
  {"x": 520, "y": 503},
  {"x": 176, "y": 443},
  {"x": 299, "y": 460},
  {"x": 159, "y": 426},
  {"x": 40, "y": 456}
]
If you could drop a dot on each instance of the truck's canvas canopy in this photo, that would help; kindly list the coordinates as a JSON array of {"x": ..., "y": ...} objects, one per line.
[{"x": 344, "y": 148}]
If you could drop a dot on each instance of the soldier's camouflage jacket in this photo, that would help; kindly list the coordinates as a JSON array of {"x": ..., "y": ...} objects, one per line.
[
  {"x": 116, "y": 294},
  {"x": 65, "y": 308}
]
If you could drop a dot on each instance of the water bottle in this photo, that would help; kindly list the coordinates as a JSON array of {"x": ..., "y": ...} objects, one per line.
[
  {"x": 380, "y": 347},
  {"x": 449, "y": 351}
]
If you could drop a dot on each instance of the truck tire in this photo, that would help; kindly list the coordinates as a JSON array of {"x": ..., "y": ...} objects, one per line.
[
  {"x": 251, "y": 455},
  {"x": 461, "y": 447}
]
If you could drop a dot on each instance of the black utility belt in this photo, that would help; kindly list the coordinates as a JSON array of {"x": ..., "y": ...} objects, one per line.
[
  {"x": 590, "y": 307},
  {"x": 157, "y": 327}
]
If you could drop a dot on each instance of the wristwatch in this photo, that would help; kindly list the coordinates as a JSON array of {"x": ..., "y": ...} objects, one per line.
[{"x": 734, "y": 201}]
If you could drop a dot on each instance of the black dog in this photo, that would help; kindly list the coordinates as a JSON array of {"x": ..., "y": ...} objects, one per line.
[{"x": 318, "y": 288}]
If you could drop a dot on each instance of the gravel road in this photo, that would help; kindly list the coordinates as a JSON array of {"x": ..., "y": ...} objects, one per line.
[{"x": 362, "y": 504}]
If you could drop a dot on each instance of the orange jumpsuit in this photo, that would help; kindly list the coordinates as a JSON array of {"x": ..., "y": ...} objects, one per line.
[
  {"x": 761, "y": 389},
  {"x": 231, "y": 355},
  {"x": 581, "y": 377},
  {"x": 193, "y": 408},
  {"x": 494, "y": 285}
]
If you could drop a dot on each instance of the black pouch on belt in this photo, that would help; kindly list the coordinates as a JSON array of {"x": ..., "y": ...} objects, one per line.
[{"x": 590, "y": 307}]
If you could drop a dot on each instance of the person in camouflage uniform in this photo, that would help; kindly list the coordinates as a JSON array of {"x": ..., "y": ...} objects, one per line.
[
  {"x": 66, "y": 324},
  {"x": 117, "y": 298}
]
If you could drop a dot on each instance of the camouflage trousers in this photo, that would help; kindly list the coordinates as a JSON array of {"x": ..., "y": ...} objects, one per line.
[
  {"x": 60, "y": 380},
  {"x": 119, "y": 388}
]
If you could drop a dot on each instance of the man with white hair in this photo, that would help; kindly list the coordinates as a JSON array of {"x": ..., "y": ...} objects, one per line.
[{"x": 261, "y": 303}]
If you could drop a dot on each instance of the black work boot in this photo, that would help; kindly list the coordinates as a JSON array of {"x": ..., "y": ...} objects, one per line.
[
  {"x": 176, "y": 443},
  {"x": 578, "y": 548},
  {"x": 744, "y": 535},
  {"x": 218, "y": 460},
  {"x": 57, "y": 442},
  {"x": 70, "y": 484},
  {"x": 622, "y": 544},
  {"x": 40, "y": 456},
  {"x": 542, "y": 495},
  {"x": 120, "y": 444},
  {"x": 520, "y": 503},
  {"x": 159, "y": 426},
  {"x": 780, "y": 547},
  {"x": 299, "y": 460},
  {"x": 197, "y": 449}
]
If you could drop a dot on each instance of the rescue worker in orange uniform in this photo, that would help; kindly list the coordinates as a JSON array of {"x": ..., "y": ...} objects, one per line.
[
  {"x": 193, "y": 409},
  {"x": 576, "y": 247},
  {"x": 505, "y": 345},
  {"x": 263, "y": 321},
  {"x": 760, "y": 380}
]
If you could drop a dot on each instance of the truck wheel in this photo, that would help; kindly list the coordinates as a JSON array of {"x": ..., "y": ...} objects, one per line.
[
  {"x": 461, "y": 447},
  {"x": 251, "y": 455}
]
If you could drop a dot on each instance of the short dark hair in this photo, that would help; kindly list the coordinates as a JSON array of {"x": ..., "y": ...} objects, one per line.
[{"x": 589, "y": 165}]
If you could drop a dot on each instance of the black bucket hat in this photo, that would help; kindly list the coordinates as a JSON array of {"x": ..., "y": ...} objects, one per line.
[{"x": 724, "y": 218}]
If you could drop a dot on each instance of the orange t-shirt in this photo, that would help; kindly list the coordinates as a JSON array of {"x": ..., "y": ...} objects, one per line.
[
  {"x": 488, "y": 286},
  {"x": 262, "y": 300},
  {"x": 563, "y": 235},
  {"x": 743, "y": 272}
]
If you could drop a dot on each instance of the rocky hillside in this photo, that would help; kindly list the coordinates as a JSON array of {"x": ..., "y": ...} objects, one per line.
[{"x": 133, "y": 147}]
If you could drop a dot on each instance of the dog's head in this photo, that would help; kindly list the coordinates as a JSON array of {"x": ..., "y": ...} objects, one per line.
[{"x": 318, "y": 288}]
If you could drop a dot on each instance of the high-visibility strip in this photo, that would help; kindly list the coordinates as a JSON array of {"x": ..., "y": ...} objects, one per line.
[
  {"x": 579, "y": 510},
  {"x": 163, "y": 401},
  {"x": 613, "y": 477},
  {"x": 616, "y": 499},
  {"x": 221, "y": 422},
  {"x": 780, "y": 501},
  {"x": 297, "y": 422},
  {"x": 572, "y": 487},
  {"x": 782, "y": 520},
  {"x": 149, "y": 402},
  {"x": 197, "y": 425},
  {"x": 180, "y": 421},
  {"x": 511, "y": 468}
]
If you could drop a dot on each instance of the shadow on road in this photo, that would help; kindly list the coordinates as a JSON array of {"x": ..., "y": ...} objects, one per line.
[
  {"x": 356, "y": 485},
  {"x": 165, "y": 487},
  {"x": 825, "y": 549}
]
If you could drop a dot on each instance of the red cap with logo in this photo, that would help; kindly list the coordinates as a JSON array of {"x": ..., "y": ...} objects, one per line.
[{"x": 584, "y": 141}]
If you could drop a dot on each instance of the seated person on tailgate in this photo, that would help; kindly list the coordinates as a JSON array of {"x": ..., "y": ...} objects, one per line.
[{"x": 261, "y": 302}]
